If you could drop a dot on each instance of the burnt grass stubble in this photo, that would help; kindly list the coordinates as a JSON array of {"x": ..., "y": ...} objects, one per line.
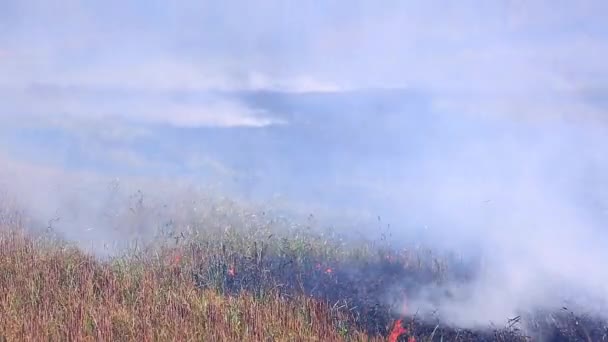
[{"x": 368, "y": 282}]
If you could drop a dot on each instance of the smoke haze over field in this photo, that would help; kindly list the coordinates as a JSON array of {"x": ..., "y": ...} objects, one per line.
[{"x": 480, "y": 128}]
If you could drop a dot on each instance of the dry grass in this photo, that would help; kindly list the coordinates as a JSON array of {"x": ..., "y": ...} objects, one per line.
[
  {"x": 233, "y": 276},
  {"x": 51, "y": 291}
]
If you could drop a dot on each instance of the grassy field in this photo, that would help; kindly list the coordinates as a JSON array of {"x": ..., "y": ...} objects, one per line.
[
  {"x": 54, "y": 292},
  {"x": 238, "y": 282}
]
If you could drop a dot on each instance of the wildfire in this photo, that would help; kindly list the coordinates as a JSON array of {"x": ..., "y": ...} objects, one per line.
[
  {"x": 398, "y": 328},
  {"x": 397, "y": 331},
  {"x": 231, "y": 271}
]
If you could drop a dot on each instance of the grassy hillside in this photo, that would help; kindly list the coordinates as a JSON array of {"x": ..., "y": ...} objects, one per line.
[
  {"x": 235, "y": 283},
  {"x": 51, "y": 291}
]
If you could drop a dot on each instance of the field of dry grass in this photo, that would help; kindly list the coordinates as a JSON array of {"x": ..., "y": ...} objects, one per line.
[
  {"x": 55, "y": 292},
  {"x": 238, "y": 282}
]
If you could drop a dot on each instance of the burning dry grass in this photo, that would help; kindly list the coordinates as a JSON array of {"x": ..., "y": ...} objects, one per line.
[
  {"x": 55, "y": 292},
  {"x": 234, "y": 280}
]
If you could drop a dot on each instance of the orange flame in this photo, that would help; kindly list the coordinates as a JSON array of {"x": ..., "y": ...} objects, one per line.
[
  {"x": 397, "y": 331},
  {"x": 231, "y": 271}
]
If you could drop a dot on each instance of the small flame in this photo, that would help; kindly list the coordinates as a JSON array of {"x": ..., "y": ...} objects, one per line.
[
  {"x": 329, "y": 270},
  {"x": 176, "y": 258},
  {"x": 397, "y": 331},
  {"x": 231, "y": 271}
]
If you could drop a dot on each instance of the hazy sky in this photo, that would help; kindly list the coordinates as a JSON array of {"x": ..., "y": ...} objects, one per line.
[
  {"x": 352, "y": 92},
  {"x": 528, "y": 58},
  {"x": 354, "y": 95},
  {"x": 106, "y": 71}
]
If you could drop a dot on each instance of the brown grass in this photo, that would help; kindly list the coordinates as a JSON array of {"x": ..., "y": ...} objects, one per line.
[
  {"x": 230, "y": 277},
  {"x": 50, "y": 291}
]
